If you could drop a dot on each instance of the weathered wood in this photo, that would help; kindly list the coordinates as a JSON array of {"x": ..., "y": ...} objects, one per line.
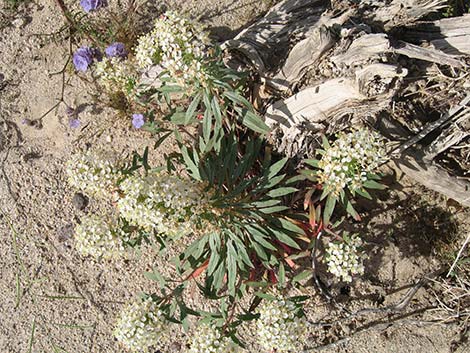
[
  {"x": 267, "y": 42},
  {"x": 397, "y": 13},
  {"x": 433, "y": 176},
  {"x": 366, "y": 48},
  {"x": 302, "y": 56},
  {"x": 447, "y": 138},
  {"x": 427, "y": 54},
  {"x": 450, "y": 35},
  {"x": 378, "y": 79},
  {"x": 312, "y": 105}
]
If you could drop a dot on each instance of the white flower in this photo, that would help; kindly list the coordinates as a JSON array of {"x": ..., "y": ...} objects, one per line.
[
  {"x": 278, "y": 326},
  {"x": 349, "y": 159},
  {"x": 343, "y": 258},
  {"x": 177, "y": 45},
  {"x": 116, "y": 75},
  {"x": 208, "y": 339},
  {"x": 97, "y": 238},
  {"x": 142, "y": 325},
  {"x": 93, "y": 173},
  {"x": 165, "y": 203}
]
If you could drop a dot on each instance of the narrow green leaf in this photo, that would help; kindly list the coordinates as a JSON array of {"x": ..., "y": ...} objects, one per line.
[
  {"x": 286, "y": 239},
  {"x": 274, "y": 209},
  {"x": 193, "y": 168},
  {"x": 274, "y": 169},
  {"x": 267, "y": 203},
  {"x": 329, "y": 208},
  {"x": 282, "y": 275},
  {"x": 303, "y": 275},
  {"x": 312, "y": 162},
  {"x": 282, "y": 191},
  {"x": 254, "y": 122},
  {"x": 372, "y": 184},
  {"x": 265, "y": 296}
]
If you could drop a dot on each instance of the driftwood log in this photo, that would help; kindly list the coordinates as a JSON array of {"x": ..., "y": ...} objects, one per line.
[{"x": 330, "y": 65}]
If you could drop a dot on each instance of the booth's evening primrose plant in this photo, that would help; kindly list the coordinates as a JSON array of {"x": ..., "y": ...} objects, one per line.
[{"x": 232, "y": 214}]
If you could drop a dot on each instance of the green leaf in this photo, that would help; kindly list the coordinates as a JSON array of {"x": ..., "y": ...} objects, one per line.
[
  {"x": 364, "y": 193},
  {"x": 216, "y": 110},
  {"x": 282, "y": 275},
  {"x": 192, "y": 108},
  {"x": 237, "y": 99},
  {"x": 312, "y": 162},
  {"x": 372, "y": 184},
  {"x": 267, "y": 203},
  {"x": 207, "y": 125},
  {"x": 274, "y": 169},
  {"x": 265, "y": 296},
  {"x": 329, "y": 208},
  {"x": 325, "y": 142},
  {"x": 213, "y": 262},
  {"x": 193, "y": 168},
  {"x": 231, "y": 267},
  {"x": 254, "y": 122},
  {"x": 274, "y": 209},
  {"x": 282, "y": 191},
  {"x": 257, "y": 284},
  {"x": 156, "y": 276},
  {"x": 288, "y": 225},
  {"x": 286, "y": 239},
  {"x": 302, "y": 275}
]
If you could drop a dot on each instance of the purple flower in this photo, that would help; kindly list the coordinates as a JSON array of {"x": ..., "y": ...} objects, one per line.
[
  {"x": 90, "y": 5},
  {"x": 84, "y": 57},
  {"x": 116, "y": 50},
  {"x": 138, "y": 120},
  {"x": 74, "y": 123}
]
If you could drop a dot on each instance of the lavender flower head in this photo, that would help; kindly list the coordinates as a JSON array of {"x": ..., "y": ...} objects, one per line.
[
  {"x": 84, "y": 57},
  {"x": 117, "y": 49},
  {"x": 74, "y": 123},
  {"x": 138, "y": 120},
  {"x": 91, "y": 5}
]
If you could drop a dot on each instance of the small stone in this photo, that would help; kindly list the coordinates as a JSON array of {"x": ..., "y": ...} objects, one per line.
[
  {"x": 65, "y": 233},
  {"x": 80, "y": 201},
  {"x": 19, "y": 22}
]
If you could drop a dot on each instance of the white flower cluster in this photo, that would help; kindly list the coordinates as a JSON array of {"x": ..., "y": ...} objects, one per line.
[
  {"x": 97, "y": 238},
  {"x": 165, "y": 203},
  {"x": 141, "y": 326},
  {"x": 349, "y": 159},
  {"x": 93, "y": 173},
  {"x": 279, "y": 328},
  {"x": 343, "y": 258},
  {"x": 208, "y": 339},
  {"x": 116, "y": 75},
  {"x": 177, "y": 45}
]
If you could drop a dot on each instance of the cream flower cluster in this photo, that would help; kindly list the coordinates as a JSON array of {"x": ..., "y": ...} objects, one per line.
[
  {"x": 116, "y": 75},
  {"x": 279, "y": 328},
  {"x": 93, "y": 173},
  {"x": 349, "y": 159},
  {"x": 97, "y": 238},
  {"x": 141, "y": 326},
  {"x": 165, "y": 203},
  {"x": 344, "y": 258},
  {"x": 208, "y": 339},
  {"x": 177, "y": 45}
]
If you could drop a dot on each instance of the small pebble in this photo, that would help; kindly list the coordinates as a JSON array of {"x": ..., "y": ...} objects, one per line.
[{"x": 80, "y": 201}]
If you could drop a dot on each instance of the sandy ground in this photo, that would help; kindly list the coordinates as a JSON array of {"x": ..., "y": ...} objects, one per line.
[{"x": 53, "y": 300}]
